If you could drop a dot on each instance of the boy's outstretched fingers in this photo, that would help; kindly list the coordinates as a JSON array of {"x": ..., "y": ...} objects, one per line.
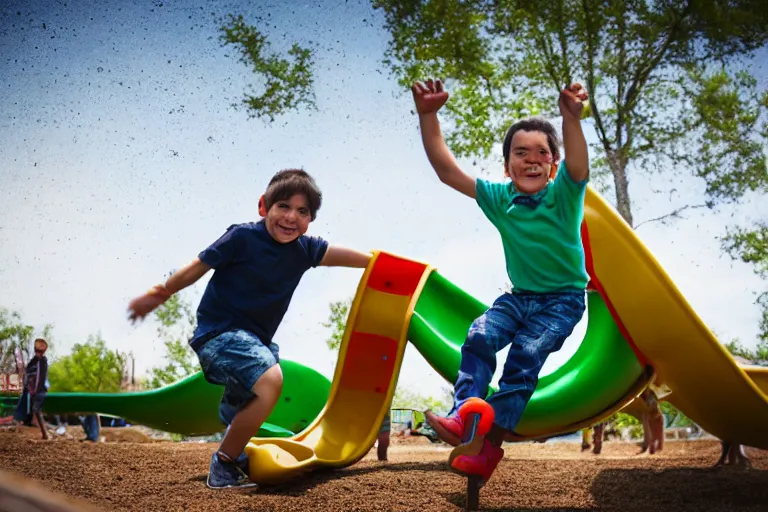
[
  {"x": 419, "y": 88},
  {"x": 429, "y": 96}
]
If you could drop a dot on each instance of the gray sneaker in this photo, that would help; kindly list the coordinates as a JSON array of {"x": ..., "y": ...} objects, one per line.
[
  {"x": 224, "y": 474},
  {"x": 242, "y": 460},
  {"x": 242, "y": 463}
]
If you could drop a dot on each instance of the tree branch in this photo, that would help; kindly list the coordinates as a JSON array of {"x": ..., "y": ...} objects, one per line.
[
  {"x": 644, "y": 71},
  {"x": 564, "y": 46},
  {"x": 622, "y": 44},
  {"x": 541, "y": 39},
  {"x": 674, "y": 213},
  {"x": 599, "y": 126}
]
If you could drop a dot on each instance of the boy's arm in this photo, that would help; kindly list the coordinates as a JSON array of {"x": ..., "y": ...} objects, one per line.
[
  {"x": 574, "y": 142},
  {"x": 185, "y": 276},
  {"x": 336, "y": 256},
  {"x": 429, "y": 97}
]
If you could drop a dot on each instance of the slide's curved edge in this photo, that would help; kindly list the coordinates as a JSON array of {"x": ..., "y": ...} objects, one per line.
[
  {"x": 364, "y": 380},
  {"x": 706, "y": 382},
  {"x": 190, "y": 405},
  {"x": 758, "y": 374}
]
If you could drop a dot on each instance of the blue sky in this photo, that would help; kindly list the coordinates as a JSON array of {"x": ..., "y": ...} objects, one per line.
[{"x": 122, "y": 158}]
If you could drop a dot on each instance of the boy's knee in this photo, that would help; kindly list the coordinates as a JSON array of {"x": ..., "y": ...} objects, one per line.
[{"x": 271, "y": 380}]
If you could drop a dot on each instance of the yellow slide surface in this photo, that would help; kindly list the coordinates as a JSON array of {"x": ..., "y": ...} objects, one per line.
[
  {"x": 366, "y": 373},
  {"x": 706, "y": 383}
]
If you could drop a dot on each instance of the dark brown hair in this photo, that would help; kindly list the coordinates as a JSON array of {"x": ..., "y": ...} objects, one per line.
[
  {"x": 534, "y": 124},
  {"x": 289, "y": 182}
]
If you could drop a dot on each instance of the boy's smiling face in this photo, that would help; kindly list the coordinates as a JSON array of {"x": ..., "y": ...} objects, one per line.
[
  {"x": 287, "y": 219},
  {"x": 530, "y": 161}
]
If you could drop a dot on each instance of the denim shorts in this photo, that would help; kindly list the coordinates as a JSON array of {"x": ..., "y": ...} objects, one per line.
[{"x": 236, "y": 360}]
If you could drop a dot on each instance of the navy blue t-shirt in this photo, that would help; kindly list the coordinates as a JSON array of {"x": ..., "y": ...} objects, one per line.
[{"x": 254, "y": 279}]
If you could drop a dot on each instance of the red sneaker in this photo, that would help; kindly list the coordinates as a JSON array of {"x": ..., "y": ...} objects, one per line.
[
  {"x": 449, "y": 430},
  {"x": 482, "y": 464}
]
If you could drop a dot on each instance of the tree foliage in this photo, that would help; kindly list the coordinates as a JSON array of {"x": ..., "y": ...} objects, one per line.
[
  {"x": 90, "y": 367},
  {"x": 408, "y": 399},
  {"x": 337, "y": 321},
  {"x": 665, "y": 90},
  {"x": 177, "y": 323},
  {"x": 15, "y": 335},
  {"x": 288, "y": 81},
  {"x": 751, "y": 246},
  {"x": 757, "y": 356}
]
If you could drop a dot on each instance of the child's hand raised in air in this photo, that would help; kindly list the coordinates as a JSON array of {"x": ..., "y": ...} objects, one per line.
[
  {"x": 429, "y": 96},
  {"x": 572, "y": 101}
]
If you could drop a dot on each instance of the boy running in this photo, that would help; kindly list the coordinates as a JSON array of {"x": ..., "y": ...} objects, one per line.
[{"x": 257, "y": 268}]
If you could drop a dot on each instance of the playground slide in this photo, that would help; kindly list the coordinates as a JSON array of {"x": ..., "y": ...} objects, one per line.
[
  {"x": 705, "y": 381},
  {"x": 759, "y": 375},
  {"x": 366, "y": 373},
  {"x": 190, "y": 406}
]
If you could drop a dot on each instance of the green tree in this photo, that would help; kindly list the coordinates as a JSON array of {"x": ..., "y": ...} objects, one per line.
[
  {"x": 90, "y": 367},
  {"x": 288, "y": 82},
  {"x": 177, "y": 323},
  {"x": 407, "y": 399},
  {"x": 667, "y": 83},
  {"x": 337, "y": 321},
  {"x": 666, "y": 91},
  {"x": 751, "y": 246},
  {"x": 757, "y": 356},
  {"x": 16, "y": 334}
]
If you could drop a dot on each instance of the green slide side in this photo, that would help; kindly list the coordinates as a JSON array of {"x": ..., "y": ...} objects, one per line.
[
  {"x": 190, "y": 406},
  {"x": 594, "y": 379}
]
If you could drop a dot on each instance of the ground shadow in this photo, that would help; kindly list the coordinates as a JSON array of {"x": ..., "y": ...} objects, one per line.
[
  {"x": 692, "y": 489},
  {"x": 460, "y": 500},
  {"x": 320, "y": 476},
  {"x": 678, "y": 490}
]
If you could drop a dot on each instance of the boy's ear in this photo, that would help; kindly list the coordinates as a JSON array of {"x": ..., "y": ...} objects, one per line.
[
  {"x": 553, "y": 170},
  {"x": 506, "y": 171},
  {"x": 262, "y": 207}
]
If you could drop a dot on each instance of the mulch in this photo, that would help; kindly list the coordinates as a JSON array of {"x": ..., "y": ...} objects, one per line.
[{"x": 553, "y": 476}]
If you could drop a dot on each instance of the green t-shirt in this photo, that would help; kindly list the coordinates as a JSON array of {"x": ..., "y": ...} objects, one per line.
[{"x": 542, "y": 245}]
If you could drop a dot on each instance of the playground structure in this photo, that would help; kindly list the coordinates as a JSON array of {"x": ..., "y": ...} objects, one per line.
[
  {"x": 640, "y": 332},
  {"x": 413, "y": 420},
  {"x": 12, "y": 372}
]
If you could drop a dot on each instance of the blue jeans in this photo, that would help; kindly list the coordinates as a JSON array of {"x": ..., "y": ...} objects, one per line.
[
  {"x": 28, "y": 405},
  {"x": 535, "y": 325},
  {"x": 236, "y": 360},
  {"x": 91, "y": 426}
]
